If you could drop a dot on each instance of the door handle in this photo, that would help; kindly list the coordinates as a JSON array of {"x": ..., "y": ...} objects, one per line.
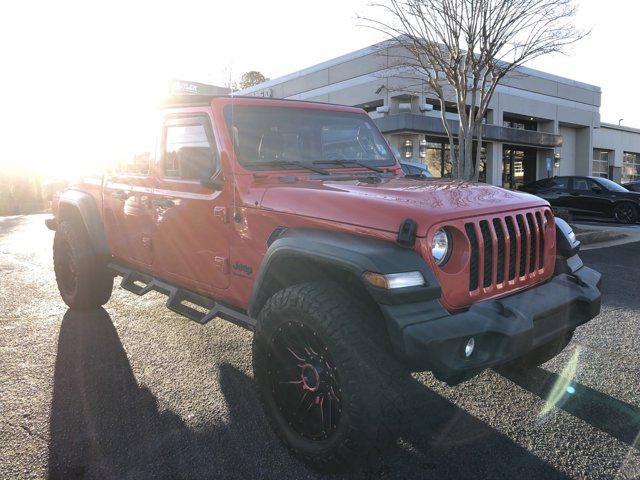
[
  {"x": 120, "y": 195},
  {"x": 575, "y": 194},
  {"x": 163, "y": 203}
]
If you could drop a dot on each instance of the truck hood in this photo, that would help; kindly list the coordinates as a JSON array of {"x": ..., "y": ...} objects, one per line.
[{"x": 384, "y": 205}]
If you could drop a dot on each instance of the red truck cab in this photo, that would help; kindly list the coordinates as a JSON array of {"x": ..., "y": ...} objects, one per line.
[{"x": 294, "y": 219}]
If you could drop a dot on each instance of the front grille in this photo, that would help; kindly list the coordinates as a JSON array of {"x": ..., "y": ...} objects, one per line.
[{"x": 507, "y": 248}]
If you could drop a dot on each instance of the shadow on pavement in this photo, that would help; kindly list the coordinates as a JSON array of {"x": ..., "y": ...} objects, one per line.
[
  {"x": 103, "y": 424},
  {"x": 604, "y": 412},
  {"x": 448, "y": 442}
]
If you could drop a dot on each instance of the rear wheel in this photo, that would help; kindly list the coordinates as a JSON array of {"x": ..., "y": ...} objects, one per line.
[
  {"x": 326, "y": 384},
  {"x": 625, "y": 213},
  {"x": 83, "y": 280}
]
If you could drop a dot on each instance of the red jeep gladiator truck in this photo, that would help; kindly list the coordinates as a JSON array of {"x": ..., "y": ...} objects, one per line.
[{"x": 294, "y": 220}]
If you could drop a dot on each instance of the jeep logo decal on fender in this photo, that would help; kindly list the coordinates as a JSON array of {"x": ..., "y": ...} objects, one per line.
[{"x": 242, "y": 268}]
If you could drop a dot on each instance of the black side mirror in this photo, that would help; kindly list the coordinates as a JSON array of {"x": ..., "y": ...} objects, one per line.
[
  {"x": 596, "y": 189},
  {"x": 212, "y": 183}
]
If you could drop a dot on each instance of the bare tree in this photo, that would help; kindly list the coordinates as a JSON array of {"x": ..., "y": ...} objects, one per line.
[{"x": 464, "y": 48}]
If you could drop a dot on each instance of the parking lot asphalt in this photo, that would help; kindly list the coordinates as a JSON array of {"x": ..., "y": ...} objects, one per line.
[{"x": 133, "y": 391}]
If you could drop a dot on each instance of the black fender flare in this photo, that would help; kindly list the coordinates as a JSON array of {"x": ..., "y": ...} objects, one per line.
[
  {"x": 352, "y": 253},
  {"x": 85, "y": 206},
  {"x": 566, "y": 244}
]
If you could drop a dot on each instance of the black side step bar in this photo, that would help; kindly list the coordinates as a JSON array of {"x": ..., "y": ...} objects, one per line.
[{"x": 184, "y": 302}]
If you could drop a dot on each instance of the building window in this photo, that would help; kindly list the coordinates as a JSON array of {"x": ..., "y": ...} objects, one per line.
[
  {"x": 407, "y": 149},
  {"x": 482, "y": 176},
  {"x": 437, "y": 106},
  {"x": 519, "y": 123},
  {"x": 630, "y": 167},
  {"x": 600, "y": 164},
  {"x": 437, "y": 159},
  {"x": 371, "y": 107}
]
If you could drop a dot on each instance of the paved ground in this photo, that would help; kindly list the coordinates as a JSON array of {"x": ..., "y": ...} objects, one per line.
[
  {"x": 622, "y": 233},
  {"x": 136, "y": 392}
]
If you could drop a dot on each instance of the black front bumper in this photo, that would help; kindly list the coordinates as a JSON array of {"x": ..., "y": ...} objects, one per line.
[{"x": 430, "y": 338}]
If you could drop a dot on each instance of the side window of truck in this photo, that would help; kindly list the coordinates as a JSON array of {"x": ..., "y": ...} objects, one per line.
[
  {"x": 189, "y": 151},
  {"x": 138, "y": 159}
]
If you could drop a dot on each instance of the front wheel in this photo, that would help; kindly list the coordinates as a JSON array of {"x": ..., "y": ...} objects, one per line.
[
  {"x": 324, "y": 381},
  {"x": 625, "y": 213}
]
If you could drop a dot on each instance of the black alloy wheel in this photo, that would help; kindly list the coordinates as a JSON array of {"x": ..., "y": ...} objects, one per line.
[
  {"x": 329, "y": 383},
  {"x": 625, "y": 213},
  {"x": 304, "y": 381}
]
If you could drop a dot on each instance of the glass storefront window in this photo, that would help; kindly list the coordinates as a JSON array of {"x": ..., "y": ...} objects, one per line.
[
  {"x": 600, "y": 164},
  {"x": 433, "y": 158},
  {"x": 446, "y": 161},
  {"x": 630, "y": 167},
  {"x": 518, "y": 166},
  {"x": 482, "y": 176},
  {"x": 437, "y": 158}
]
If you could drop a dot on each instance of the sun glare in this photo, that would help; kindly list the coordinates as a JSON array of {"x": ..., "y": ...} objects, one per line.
[{"x": 103, "y": 129}]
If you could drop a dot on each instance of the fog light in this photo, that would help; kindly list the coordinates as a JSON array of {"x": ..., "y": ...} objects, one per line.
[{"x": 468, "y": 348}]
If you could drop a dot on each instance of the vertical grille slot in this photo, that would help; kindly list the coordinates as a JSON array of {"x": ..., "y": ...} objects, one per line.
[
  {"x": 534, "y": 235},
  {"x": 497, "y": 226},
  {"x": 541, "y": 230},
  {"x": 523, "y": 245},
  {"x": 488, "y": 252},
  {"x": 505, "y": 251},
  {"x": 512, "y": 247},
  {"x": 473, "y": 261}
]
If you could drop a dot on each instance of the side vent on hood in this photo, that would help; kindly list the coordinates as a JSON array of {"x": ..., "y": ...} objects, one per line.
[{"x": 407, "y": 232}]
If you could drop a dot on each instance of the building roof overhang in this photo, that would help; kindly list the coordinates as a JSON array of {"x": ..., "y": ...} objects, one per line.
[{"x": 414, "y": 123}]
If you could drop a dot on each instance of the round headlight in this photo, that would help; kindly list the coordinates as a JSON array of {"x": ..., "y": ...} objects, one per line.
[{"x": 440, "y": 246}]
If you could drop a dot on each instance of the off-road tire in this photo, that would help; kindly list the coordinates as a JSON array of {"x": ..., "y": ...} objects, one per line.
[
  {"x": 370, "y": 378},
  {"x": 542, "y": 354},
  {"x": 625, "y": 212},
  {"x": 83, "y": 280}
]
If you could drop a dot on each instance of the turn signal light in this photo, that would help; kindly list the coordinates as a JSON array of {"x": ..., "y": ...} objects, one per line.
[{"x": 392, "y": 281}]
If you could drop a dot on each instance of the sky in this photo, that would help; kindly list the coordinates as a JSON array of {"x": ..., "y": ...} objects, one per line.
[{"x": 72, "y": 70}]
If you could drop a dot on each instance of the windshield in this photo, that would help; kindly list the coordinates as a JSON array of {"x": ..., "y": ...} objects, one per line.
[
  {"x": 277, "y": 135},
  {"x": 611, "y": 186}
]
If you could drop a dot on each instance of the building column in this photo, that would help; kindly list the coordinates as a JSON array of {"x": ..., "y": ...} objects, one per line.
[
  {"x": 494, "y": 163},
  {"x": 584, "y": 151}
]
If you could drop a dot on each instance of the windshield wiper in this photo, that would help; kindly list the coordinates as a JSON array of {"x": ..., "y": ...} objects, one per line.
[
  {"x": 350, "y": 162},
  {"x": 290, "y": 163}
]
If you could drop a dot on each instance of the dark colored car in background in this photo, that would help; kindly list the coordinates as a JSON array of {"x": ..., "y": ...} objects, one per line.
[
  {"x": 416, "y": 170},
  {"x": 588, "y": 196},
  {"x": 632, "y": 186}
]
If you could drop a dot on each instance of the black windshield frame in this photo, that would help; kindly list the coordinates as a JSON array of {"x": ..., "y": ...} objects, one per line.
[{"x": 267, "y": 117}]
